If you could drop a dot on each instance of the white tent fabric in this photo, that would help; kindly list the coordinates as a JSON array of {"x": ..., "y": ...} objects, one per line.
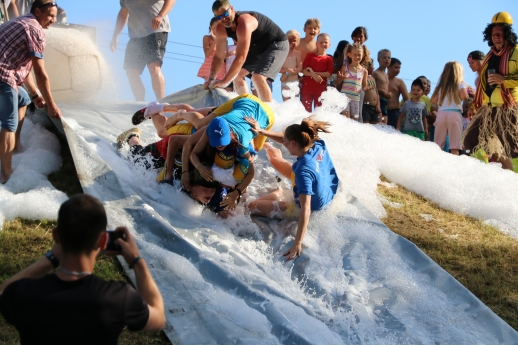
[{"x": 225, "y": 281}]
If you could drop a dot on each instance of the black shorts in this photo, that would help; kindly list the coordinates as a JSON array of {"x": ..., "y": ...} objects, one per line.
[
  {"x": 370, "y": 114},
  {"x": 269, "y": 62},
  {"x": 140, "y": 152},
  {"x": 142, "y": 51}
]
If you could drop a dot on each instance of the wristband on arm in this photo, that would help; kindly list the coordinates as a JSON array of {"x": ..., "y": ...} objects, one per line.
[{"x": 52, "y": 258}]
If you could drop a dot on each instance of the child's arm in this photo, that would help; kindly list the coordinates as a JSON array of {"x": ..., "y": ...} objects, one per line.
[
  {"x": 208, "y": 44},
  {"x": 298, "y": 58},
  {"x": 399, "y": 119},
  {"x": 425, "y": 122},
  {"x": 340, "y": 75},
  {"x": 365, "y": 86}
]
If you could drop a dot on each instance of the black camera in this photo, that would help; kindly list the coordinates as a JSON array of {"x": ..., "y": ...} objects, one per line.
[{"x": 112, "y": 236}]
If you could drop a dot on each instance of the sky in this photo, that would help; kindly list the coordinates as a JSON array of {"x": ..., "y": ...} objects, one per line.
[{"x": 424, "y": 36}]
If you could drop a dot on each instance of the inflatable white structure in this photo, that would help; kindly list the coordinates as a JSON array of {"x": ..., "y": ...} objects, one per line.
[{"x": 75, "y": 66}]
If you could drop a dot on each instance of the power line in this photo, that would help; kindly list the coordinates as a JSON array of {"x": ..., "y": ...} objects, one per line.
[
  {"x": 196, "y": 57},
  {"x": 165, "y": 57},
  {"x": 173, "y": 42}
]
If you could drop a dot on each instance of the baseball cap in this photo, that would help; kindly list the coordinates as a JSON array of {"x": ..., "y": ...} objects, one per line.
[{"x": 218, "y": 131}]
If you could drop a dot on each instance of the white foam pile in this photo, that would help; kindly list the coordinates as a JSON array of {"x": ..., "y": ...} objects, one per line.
[
  {"x": 28, "y": 193},
  {"x": 377, "y": 298}
]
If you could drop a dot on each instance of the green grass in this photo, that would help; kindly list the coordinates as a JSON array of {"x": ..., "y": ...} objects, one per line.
[
  {"x": 480, "y": 257},
  {"x": 22, "y": 242}
]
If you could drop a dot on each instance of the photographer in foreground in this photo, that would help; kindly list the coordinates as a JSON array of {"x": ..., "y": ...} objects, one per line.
[{"x": 73, "y": 306}]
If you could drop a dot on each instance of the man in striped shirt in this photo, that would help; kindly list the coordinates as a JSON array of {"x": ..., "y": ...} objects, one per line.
[{"x": 22, "y": 43}]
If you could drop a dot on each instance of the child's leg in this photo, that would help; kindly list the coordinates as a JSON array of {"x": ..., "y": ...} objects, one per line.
[
  {"x": 172, "y": 108},
  {"x": 268, "y": 204},
  {"x": 174, "y": 145},
  {"x": 307, "y": 101},
  {"x": 355, "y": 110},
  {"x": 316, "y": 102},
  {"x": 276, "y": 160},
  {"x": 440, "y": 130},
  {"x": 455, "y": 131},
  {"x": 159, "y": 123}
]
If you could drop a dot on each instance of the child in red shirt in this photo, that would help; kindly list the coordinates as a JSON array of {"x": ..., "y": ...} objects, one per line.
[{"x": 317, "y": 67}]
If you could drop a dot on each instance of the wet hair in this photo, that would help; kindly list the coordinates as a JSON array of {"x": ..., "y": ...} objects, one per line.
[
  {"x": 394, "y": 61},
  {"x": 449, "y": 82},
  {"x": 81, "y": 221},
  {"x": 360, "y": 30},
  {"x": 422, "y": 77},
  {"x": 220, "y": 4},
  {"x": 477, "y": 55},
  {"x": 350, "y": 48},
  {"x": 306, "y": 133},
  {"x": 310, "y": 21},
  {"x": 509, "y": 35},
  {"x": 212, "y": 21},
  {"x": 382, "y": 51},
  {"x": 418, "y": 82}
]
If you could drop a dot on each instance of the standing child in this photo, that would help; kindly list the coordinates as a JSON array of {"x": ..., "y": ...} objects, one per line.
[
  {"x": 291, "y": 68},
  {"x": 371, "y": 101},
  {"x": 209, "y": 48},
  {"x": 317, "y": 68},
  {"x": 449, "y": 94},
  {"x": 308, "y": 44},
  {"x": 353, "y": 77},
  {"x": 414, "y": 111}
]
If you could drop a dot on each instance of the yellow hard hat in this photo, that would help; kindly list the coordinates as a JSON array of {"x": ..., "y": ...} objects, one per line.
[{"x": 502, "y": 18}]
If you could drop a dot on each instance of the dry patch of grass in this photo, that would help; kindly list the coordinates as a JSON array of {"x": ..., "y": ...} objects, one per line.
[
  {"x": 480, "y": 257},
  {"x": 22, "y": 242}
]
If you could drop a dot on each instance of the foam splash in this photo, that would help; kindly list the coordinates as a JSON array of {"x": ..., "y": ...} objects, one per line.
[
  {"x": 28, "y": 193},
  {"x": 359, "y": 289}
]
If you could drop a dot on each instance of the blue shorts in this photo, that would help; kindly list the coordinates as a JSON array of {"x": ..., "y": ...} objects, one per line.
[{"x": 10, "y": 101}]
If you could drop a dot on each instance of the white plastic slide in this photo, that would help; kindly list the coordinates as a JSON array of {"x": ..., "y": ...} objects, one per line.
[{"x": 226, "y": 282}]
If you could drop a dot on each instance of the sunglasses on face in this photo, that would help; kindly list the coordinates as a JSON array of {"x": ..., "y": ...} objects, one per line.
[
  {"x": 48, "y": 4},
  {"x": 221, "y": 16}
]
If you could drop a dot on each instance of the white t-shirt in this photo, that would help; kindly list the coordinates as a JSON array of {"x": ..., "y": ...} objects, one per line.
[
  {"x": 24, "y": 7},
  {"x": 451, "y": 105}
]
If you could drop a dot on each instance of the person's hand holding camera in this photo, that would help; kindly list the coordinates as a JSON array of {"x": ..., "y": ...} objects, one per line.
[{"x": 127, "y": 244}]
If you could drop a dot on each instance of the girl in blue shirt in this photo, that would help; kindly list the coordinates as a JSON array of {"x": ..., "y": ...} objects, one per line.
[{"x": 313, "y": 175}]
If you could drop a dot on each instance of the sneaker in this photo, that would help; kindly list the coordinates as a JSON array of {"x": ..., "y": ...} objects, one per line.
[
  {"x": 124, "y": 137},
  {"x": 138, "y": 117}
]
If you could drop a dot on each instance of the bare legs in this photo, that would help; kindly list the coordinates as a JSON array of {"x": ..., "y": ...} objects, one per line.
[
  {"x": 265, "y": 205},
  {"x": 137, "y": 87},
  {"x": 157, "y": 81},
  {"x": 261, "y": 85},
  {"x": 7, "y": 143},
  {"x": 173, "y": 146},
  {"x": 21, "y": 116},
  {"x": 240, "y": 83}
]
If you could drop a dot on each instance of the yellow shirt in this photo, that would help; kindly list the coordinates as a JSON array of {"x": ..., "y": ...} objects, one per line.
[{"x": 510, "y": 82}]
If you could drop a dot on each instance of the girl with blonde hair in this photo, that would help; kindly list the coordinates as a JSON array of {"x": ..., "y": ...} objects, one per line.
[{"x": 451, "y": 90}]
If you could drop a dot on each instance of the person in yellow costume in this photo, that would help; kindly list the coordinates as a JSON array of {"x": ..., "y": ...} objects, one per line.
[{"x": 494, "y": 127}]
